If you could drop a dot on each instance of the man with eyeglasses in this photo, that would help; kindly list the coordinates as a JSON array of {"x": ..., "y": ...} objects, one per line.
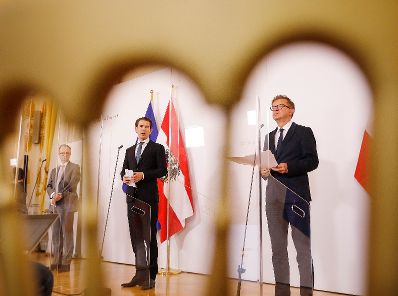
[
  {"x": 62, "y": 190},
  {"x": 288, "y": 195}
]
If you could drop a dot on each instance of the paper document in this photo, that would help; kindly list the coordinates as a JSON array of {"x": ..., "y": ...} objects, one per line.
[
  {"x": 267, "y": 160},
  {"x": 129, "y": 173}
]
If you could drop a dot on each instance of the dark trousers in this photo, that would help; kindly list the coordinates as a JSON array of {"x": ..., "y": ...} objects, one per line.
[{"x": 140, "y": 226}]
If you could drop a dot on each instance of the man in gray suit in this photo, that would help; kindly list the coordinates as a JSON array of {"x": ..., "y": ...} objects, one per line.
[{"x": 62, "y": 189}]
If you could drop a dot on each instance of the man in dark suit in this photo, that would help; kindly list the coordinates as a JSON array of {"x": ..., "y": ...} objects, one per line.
[
  {"x": 147, "y": 160},
  {"x": 288, "y": 195},
  {"x": 62, "y": 190}
]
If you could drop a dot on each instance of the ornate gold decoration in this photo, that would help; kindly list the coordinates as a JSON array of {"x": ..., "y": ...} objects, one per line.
[{"x": 81, "y": 63}]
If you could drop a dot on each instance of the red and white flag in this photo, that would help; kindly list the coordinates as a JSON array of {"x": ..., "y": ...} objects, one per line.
[
  {"x": 176, "y": 188},
  {"x": 363, "y": 165}
]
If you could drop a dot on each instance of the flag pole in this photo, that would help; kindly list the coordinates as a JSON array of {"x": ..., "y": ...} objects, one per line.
[
  {"x": 168, "y": 270},
  {"x": 169, "y": 189},
  {"x": 168, "y": 204},
  {"x": 173, "y": 96}
]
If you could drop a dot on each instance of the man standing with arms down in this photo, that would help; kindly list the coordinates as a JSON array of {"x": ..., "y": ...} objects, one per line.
[
  {"x": 62, "y": 189},
  {"x": 147, "y": 160},
  {"x": 288, "y": 195}
]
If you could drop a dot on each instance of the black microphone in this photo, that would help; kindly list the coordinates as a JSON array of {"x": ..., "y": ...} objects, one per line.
[
  {"x": 261, "y": 126},
  {"x": 120, "y": 147},
  {"x": 45, "y": 159}
]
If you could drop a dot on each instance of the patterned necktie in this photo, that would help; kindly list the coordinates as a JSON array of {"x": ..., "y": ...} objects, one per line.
[
  {"x": 278, "y": 145},
  {"x": 139, "y": 150}
]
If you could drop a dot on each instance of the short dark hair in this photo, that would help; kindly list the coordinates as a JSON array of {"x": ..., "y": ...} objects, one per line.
[
  {"x": 289, "y": 101},
  {"x": 145, "y": 119}
]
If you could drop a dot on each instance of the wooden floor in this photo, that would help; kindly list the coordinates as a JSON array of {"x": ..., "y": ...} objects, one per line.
[{"x": 183, "y": 284}]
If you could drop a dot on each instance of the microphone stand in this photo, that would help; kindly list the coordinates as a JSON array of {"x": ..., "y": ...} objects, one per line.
[
  {"x": 110, "y": 199},
  {"x": 242, "y": 270},
  {"x": 37, "y": 178},
  {"x": 260, "y": 195}
]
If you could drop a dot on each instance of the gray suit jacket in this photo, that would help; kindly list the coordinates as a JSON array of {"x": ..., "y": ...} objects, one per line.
[{"x": 67, "y": 186}]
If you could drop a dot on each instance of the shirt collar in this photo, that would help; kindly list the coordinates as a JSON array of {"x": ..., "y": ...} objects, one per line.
[
  {"x": 145, "y": 141},
  {"x": 286, "y": 127}
]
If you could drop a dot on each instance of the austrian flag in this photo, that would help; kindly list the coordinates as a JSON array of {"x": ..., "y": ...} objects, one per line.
[{"x": 176, "y": 187}]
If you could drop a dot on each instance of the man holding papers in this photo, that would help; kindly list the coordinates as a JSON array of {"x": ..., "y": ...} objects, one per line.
[
  {"x": 288, "y": 195},
  {"x": 143, "y": 164}
]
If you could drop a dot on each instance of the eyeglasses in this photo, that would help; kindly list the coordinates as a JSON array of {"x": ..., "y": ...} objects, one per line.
[{"x": 278, "y": 107}]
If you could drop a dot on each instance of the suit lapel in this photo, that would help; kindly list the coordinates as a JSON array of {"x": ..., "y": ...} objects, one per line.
[
  {"x": 66, "y": 171},
  {"x": 290, "y": 133},
  {"x": 272, "y": 141},
  {"x": 146, "y": 150},
  {"x": 287, "y": 138},
  {"x": 133, "y": 152}
]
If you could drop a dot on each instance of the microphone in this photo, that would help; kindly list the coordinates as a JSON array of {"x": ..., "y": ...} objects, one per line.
[
  {"x": 45, "y": 159},
  {"x": 261, "y": 126},
  {"x": 120, "y": 147}
]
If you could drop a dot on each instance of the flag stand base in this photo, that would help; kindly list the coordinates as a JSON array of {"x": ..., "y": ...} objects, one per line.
[{"x": 166, "y": 272}]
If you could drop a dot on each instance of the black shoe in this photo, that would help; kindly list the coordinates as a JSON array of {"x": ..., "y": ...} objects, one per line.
[
  {"x": 64, "y": 268},
  {"x": 305, "y": 291},
  {"x": 282, "y": 289},
  {"x": 148, "y": 285},
  {"x": 135, "y": 281}
]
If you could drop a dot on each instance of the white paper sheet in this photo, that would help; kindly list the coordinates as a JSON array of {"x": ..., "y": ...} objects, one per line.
[
  {"x": 267, "y": 159},
  {"x": 129, "y": 173}
]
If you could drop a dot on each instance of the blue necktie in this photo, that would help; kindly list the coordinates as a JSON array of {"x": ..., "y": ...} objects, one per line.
[{"x": 139, "y": 150}]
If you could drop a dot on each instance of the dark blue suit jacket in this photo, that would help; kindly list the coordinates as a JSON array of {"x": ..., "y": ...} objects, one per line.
[
  {"x": 153, "y": 164},
  {"x": 298, "y": 150}
]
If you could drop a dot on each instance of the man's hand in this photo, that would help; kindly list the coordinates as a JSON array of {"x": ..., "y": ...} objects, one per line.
[
  {"x": 281, "y": 168},
  {"x": 138, "y": 176},
  {"x": 265, "y": 173},
  {"x": 127, "y": 179},
  {"x": 57, "y": 197}
]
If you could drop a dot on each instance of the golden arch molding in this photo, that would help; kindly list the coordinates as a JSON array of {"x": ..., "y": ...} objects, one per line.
[{"x": 75, "y": 50}]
